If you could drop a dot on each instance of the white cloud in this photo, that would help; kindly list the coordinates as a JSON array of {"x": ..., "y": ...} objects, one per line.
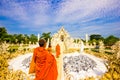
[
  {"x": 38, "y": 16},
  {"x": 38, "y": 12},
  {"x": 33, "y": 13},
  {"x": 13, "y": 10},
  {"x": 85, "y": 10},
  {"x": 103, "y": 29}
]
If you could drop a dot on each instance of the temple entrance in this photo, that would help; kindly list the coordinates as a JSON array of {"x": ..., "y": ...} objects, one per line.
[{"x": 62, "y": 38}]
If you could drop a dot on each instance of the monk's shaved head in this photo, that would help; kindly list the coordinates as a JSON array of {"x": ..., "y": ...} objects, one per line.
[{"x": 42, "y": 42}]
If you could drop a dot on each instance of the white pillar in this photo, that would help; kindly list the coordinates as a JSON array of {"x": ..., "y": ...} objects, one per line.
[
  {"x": 38, "y": 36},
  {"x": 47, "y": 43},
  {"x": 86, "y": 38}
]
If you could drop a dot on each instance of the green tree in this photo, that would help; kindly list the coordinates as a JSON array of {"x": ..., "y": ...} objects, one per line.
[
  {"x": 46, "y": 36},
  {"x": 15, "y": 38},
  {"x": 3, "y": 31},
  {"x": 26, "y": 39},
  {"x": 8, "y": 38},
  {"x": 96, "y": 38},
  {"x": 110, "y": 40},
  {"x": 3, "y": 34},
  {"x": 33, "y": 38},
  {"x": 20, "y": 38}
]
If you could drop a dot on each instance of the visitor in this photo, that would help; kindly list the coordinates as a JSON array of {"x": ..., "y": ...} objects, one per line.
[
  {"x": 57, "y": 50},
  {"x": 45, "y": 63}
]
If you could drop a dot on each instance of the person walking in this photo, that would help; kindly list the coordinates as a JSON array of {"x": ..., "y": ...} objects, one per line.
[
  {"x": 45, "y": 63},
  {"x": 57, "y": 50}
]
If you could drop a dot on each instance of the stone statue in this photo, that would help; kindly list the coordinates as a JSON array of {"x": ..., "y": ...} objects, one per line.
[
  {"x": 101, "y": 47},
  {"x": 116, "y": 49}
]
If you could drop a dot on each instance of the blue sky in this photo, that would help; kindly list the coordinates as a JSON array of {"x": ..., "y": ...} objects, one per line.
[{"x": 77, "y": 16}]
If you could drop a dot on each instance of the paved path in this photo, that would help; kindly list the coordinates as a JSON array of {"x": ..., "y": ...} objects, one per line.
[{"x": 60, "y": 67}]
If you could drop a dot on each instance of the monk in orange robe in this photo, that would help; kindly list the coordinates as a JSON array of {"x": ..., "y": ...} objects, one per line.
[
  {"x": 45, "y": 63},
  {"x": 57, "y": 50}
]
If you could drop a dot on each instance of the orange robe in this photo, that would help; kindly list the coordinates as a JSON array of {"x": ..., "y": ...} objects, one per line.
[
  {"x": 49, "y": 49},
  {"x": 57, "y": 50},
  {"x": 46, "y": 67}
]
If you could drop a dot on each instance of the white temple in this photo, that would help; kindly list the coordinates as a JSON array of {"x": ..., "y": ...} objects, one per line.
[{"x": 65, "y": 41}]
